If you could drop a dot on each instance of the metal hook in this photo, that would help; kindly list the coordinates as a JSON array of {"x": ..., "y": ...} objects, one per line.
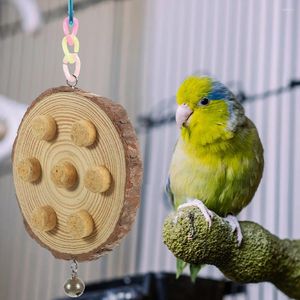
[
  {"x": 72, "y": 84},
  {"x": 70, "y": 11}
]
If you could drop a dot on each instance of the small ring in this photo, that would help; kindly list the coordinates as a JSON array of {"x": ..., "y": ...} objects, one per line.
[{"x": 72, "y": 85}]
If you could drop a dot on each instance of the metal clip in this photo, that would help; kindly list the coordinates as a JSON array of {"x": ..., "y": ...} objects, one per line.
[{"x": 70, "y": 11}]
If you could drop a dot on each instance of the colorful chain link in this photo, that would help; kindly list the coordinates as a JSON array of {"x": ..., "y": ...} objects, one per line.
[{"x": 70, "y": 39}]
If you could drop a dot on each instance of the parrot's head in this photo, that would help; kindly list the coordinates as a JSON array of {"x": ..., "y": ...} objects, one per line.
[{"x": 207, "y": 111}]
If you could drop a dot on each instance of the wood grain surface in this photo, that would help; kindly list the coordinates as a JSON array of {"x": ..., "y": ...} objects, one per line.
[{"x": 116, "y": 148}]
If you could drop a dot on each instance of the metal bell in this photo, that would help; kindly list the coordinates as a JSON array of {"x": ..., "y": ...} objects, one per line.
[{"x": 74, "y": 287}]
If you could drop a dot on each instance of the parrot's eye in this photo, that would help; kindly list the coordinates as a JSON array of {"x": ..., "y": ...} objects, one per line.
[{"x": 204, "y": 101}]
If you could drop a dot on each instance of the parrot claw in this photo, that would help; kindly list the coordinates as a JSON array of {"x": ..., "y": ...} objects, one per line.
[
  {"x": 235, "y": 226},
  {"x": 208, "y": 214}
]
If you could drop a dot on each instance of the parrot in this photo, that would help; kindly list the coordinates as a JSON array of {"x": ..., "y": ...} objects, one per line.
[{"x": 217, "y": 163}]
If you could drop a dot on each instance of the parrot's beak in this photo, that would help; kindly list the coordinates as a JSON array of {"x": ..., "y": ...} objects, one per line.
[{"x": 183, "y": 112}]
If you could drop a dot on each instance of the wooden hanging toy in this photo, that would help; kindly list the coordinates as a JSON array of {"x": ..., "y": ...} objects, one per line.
[{"x": 76, "y": 168}]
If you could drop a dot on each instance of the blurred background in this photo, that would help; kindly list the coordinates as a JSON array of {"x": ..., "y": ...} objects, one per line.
[{"x": 137, "y": 52}]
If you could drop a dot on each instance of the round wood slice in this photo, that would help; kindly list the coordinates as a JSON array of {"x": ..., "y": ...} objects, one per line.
[{"x": 108, "y": 211}]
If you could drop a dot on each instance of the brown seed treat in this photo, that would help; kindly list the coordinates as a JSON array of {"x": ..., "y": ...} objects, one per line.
[
  {"x": 44, "y": 218},
  {"x": 43, "y": 127},
  {"x": 97, "y": 179},
  {"x": 29, "y": 170},
  {"x": 64, "y": 175},
  {"x": 80, "y": 224},
  {"x": 83, "y": 133}
]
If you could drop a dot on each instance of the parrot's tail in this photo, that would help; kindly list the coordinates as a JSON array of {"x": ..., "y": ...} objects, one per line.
[{"x": 194, "y": 269}]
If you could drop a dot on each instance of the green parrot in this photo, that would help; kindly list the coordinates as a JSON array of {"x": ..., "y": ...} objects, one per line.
[{"x": 218, "y": 160}]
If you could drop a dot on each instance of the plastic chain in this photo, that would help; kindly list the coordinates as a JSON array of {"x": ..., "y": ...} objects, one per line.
[
  {"x": 69, "y": 57},
  {"x": 70, "y": 39}
]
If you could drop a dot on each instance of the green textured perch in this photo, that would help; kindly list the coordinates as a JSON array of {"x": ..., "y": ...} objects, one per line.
[{"x": 261, "y": 257}]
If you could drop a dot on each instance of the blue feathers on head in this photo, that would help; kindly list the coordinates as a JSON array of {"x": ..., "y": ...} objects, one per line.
[{"x": 219, "y": 91}]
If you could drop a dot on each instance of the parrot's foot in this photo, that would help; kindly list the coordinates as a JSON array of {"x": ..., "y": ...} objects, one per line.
[
  {"x": 208, "y": 214},
  {"x": 235, "y": 225}
]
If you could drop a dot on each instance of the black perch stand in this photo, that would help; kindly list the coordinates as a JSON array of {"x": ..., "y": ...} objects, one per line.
[{"x": 160, "y": 286}]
